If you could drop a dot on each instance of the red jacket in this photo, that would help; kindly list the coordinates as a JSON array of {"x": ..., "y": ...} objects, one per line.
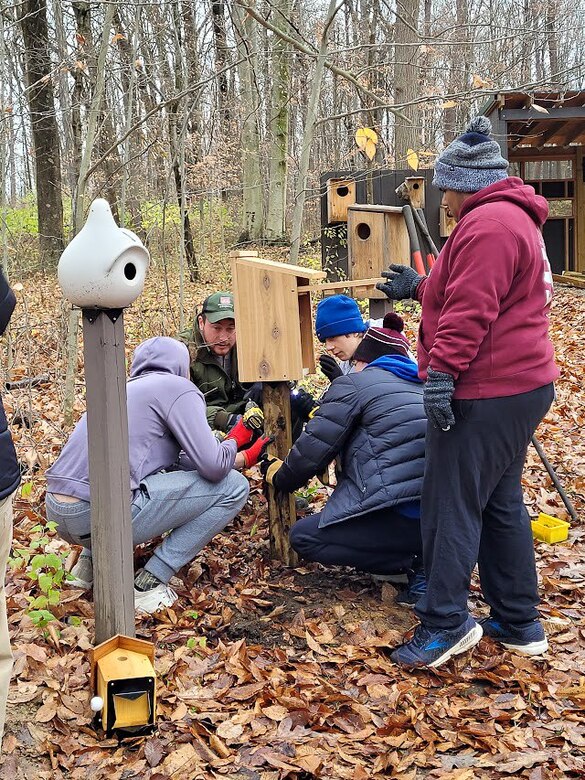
[{"x": 485, "y": 305}]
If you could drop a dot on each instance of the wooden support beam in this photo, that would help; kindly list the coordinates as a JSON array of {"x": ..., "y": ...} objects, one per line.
[
  {"x": 281, "y": 508},
  {"x": 109, "y": 473},
  {"x": 571, "y": 281},
  {"x": 531, "y": 114},
  {"x": 347, "y": 284}
]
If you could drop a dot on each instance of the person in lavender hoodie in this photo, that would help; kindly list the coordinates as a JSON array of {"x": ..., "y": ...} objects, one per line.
[{"x": 182, "y": 479}]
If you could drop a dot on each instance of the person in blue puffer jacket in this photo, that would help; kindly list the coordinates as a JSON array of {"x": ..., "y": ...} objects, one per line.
[{"x": 373, "y": 421}]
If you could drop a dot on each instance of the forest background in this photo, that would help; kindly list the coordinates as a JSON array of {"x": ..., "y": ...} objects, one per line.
[{"x": 207, "y": 125}]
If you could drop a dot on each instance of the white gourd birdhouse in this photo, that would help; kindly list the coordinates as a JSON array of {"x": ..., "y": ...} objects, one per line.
[{"x": 104, "y": 266}]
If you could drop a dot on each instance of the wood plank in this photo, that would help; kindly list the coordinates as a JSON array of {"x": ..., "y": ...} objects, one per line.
[
  {"x": 348, "y": 284},
  {"x": 285, "y": 268},
  {"x": 377, "y": 209},
  {"x": 307, "y": 338},
  {"x": 109, "y": 476},
  {"x": 281, "y": 507},
  {"x": 571, "y": 281},
  {"x": 268, "y": 322}
]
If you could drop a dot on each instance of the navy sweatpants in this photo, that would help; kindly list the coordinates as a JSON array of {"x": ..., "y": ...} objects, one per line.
[
  {"x": 472, "y": 510},
  {"x": 379, "y": 542}
]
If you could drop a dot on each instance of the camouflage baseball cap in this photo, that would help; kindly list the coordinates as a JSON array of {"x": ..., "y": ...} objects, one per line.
[{"x": 219, "y": 306}]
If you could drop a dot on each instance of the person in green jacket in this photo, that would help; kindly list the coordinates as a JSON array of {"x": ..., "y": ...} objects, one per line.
[{"x": 214, "y": 366}]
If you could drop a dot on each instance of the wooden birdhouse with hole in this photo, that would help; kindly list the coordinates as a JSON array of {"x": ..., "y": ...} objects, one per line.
[
  {"x": 376, "y": 237},
  {"x": 415, "y": 190},
  {"x": 446, "y": 223},
  {"x": 341, "y": 194},
  {"x": 124, "y": 686},
  {"x": 273, "y": 320}
]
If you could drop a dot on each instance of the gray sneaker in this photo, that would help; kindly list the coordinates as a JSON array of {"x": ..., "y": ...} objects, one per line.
[{"x": 81, "y": 575}]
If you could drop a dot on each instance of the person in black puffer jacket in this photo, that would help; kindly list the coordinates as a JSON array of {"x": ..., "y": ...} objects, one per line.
[
  {"x": 9, "y": 481},
  {"x": 373, "y": 420}
]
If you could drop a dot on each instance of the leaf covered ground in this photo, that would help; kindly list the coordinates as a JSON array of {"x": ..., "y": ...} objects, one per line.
[{"x": 267, "y": 673}]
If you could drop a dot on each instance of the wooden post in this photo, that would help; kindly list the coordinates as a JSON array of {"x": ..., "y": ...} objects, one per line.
[
  {"x": 109, "y": 473},
  {"x": 281, "y": 508}
]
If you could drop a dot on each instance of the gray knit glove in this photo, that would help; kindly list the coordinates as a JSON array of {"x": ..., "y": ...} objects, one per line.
[
  {"x": 402, "y": 282},
  {"x": 438, "y": 392}
]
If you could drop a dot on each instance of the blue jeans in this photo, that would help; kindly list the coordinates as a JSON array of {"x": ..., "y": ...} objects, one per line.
[{"x": 182, "y": 502}]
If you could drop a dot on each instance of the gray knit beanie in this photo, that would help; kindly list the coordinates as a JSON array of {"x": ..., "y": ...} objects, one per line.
[{"x": 472, "y": 161}]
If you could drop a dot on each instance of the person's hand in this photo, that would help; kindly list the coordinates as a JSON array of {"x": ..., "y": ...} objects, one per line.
[
  {"x": 330, "y": 367},
  {"x": 254, "y": 393},
  {"x": 240, "y": 434},
  {"x": 232, "y": 420},
  {"x": 269, "y": 466},
  {"x": 253, "y": 417},
  {"x": 302, "y": 404},
  {"x": 438, "y": 392},
  {"x": 402, "y": 282},
  {"x": 253, "y": 454}
]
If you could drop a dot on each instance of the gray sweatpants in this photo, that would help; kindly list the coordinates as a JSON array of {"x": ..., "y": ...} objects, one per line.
[{"x": 182, "y": 502}]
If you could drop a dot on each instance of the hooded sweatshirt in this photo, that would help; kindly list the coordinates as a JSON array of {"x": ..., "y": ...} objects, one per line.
[
  {"x": 486, "y": 303},
  {"x": 166, "y": 414}
]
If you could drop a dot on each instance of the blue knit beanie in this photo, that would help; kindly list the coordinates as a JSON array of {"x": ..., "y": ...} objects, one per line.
[
  {"x": 472, "y": 161},
  {"x": 338, "y": 315}
]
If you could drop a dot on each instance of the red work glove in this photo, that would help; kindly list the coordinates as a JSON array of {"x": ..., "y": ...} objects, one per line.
[
  {"x": 240, "y": 434},
  {"x": 253, "y": 454}
]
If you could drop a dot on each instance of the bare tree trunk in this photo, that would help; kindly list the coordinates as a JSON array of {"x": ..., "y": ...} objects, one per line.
[
  {"x": 310, "y": 121},
  {"x": 44, "y": 129},
  {"x": 279, "y": 126},
  {"x": 406, "y": 79},
  {"x": 253, "y": 201}
]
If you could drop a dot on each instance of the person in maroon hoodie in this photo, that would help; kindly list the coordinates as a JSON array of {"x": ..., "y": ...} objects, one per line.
[{"x": 488, "y": 364}]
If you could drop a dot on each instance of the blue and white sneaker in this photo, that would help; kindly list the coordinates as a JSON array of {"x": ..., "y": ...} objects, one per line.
[
  {"x": 525, "y": 638},
  {"x": 416, "y": 587},
  {"x": 434, "y": 646}
]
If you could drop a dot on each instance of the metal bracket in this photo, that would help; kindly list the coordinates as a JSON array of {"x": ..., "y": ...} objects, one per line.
[{"x": 91, "y": 315}]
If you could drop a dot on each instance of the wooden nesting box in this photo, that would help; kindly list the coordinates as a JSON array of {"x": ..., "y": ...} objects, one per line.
[
  {"x": 415, "y": 187},
  {"x": 340, "y": 196},
  {"x": 274, "y": 321},
  {"x": 446, "y": 223},
  {"x": 376, "y": 237},
  {"x": 122, "y": 672}
]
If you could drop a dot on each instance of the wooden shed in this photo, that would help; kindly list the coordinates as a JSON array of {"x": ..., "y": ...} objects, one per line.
[{"x": 543, "y": 137}]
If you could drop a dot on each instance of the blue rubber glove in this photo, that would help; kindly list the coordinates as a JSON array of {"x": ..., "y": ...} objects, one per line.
[{"x": 438, "y": 392}]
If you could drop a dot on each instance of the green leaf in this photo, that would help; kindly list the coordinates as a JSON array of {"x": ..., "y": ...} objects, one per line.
[
  {"x": 38, "y": 562},
  {"x": 40, "y": 602},
  {"x": 26, "y": 489},
  {"x": 36, "y": 528},
  {"x": 40, "y": 617},
  {"x": 53, "y": 561},
  {"x": 74, "y": 620},
  {"x": 192, "y": 614},
  {"x": 191, "y": 642},
  {"x": 53, "y": 597},
  {"x": 51, "y": 525},
  {"x": 45, "y": 582}
]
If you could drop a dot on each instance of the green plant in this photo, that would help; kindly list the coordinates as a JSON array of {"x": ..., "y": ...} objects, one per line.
[{"x": 45, "y": 568}]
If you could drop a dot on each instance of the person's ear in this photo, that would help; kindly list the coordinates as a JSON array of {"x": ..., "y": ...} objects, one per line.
[{"x": 200, "y": 321}]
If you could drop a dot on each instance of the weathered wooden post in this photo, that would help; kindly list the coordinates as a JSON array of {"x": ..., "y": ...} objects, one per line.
[
  {"x": 102, "y": 271},
  {"x": 275, "y": 346}
]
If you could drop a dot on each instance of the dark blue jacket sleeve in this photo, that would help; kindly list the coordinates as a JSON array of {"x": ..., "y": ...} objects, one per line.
[
  {"x": 7, "y": 303},
  {"x": 323, "y": 437}
]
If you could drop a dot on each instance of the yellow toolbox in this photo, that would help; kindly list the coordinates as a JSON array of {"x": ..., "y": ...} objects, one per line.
[{"x": 550, "y": 529}]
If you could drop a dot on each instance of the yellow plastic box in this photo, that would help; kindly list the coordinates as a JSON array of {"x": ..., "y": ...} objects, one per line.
[{"x": 550, "y": 529}]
